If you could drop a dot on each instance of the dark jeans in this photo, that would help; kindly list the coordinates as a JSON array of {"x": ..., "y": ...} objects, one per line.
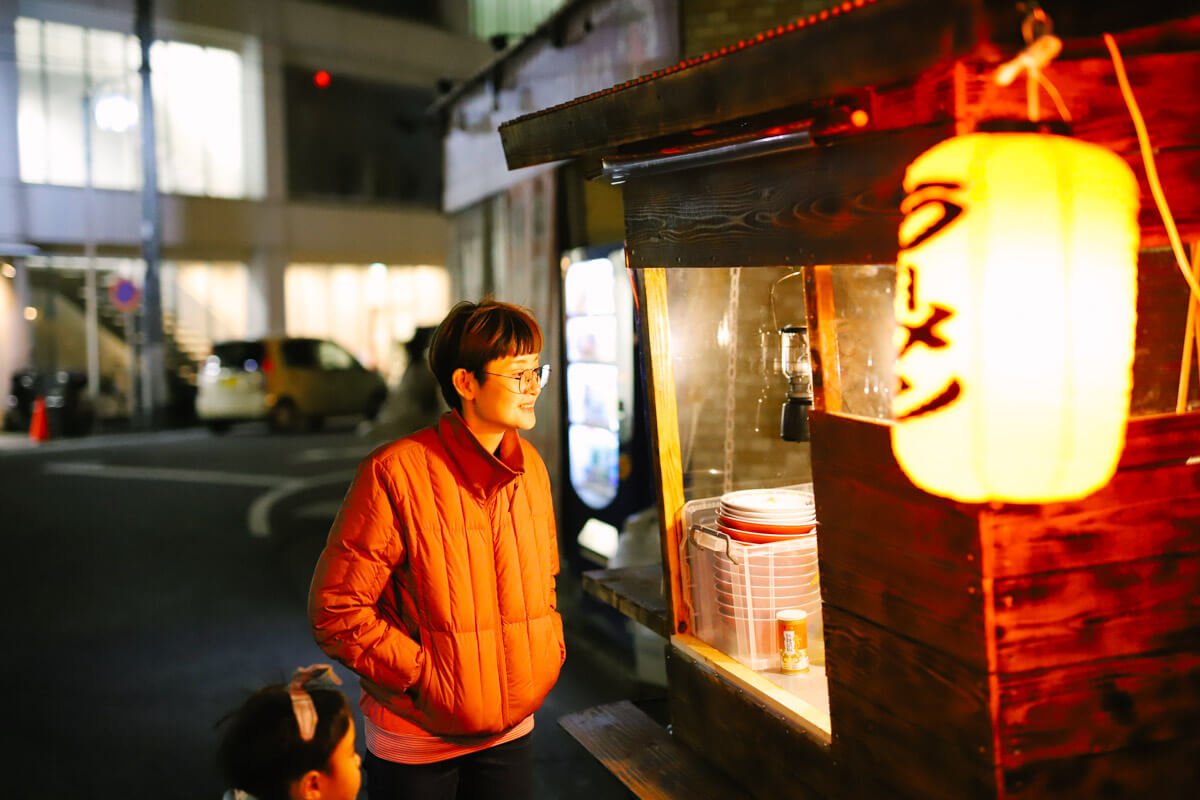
[{"x": 503, "y": 772}]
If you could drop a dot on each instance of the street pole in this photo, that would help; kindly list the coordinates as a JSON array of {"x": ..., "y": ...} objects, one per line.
[
  {"x": 92, "y": 305},
  {"x": 154, "y": 387}
]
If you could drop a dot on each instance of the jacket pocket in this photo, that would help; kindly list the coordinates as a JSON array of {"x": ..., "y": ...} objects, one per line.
[{"x": 435, "y": 696}]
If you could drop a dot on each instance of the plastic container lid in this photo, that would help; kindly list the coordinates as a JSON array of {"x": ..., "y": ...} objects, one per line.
[{"x": 791, "y": 614}]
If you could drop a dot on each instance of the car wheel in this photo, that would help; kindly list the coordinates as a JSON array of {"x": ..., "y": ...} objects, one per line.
[
  {"x": 374, "y": 405},
  {"x": 285, "y": 417},
  {"x": 219, "y": 426}
]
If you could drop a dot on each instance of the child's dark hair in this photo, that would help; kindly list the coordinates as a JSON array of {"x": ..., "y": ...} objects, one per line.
[{"x": 261, "y": 751}]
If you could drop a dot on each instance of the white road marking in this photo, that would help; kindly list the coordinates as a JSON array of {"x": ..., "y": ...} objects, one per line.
[
  {"x": 258, "y": 518},
  {"x": 94, "y": 470},
  {"x": 19, "y": 444}
]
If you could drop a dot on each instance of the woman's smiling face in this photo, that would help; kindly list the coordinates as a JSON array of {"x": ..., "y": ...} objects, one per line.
[{"x": 497, "y": 404}]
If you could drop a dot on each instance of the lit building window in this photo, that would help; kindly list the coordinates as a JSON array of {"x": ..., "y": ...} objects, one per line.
[
  {"x": 514, "y": 18},
  {"x": 372, "y": 310},
  {"x": 200, "y": 119}
]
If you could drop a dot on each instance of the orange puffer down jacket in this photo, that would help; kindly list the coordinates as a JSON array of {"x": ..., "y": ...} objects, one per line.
[{"x": 437, "y": 583}]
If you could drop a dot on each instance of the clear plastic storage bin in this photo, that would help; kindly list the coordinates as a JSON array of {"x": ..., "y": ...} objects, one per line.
[{"x": 736, "y": 588}]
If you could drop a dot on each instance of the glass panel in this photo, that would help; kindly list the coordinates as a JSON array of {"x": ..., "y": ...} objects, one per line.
[
  {"x": 65, "y": 90},
  {"x": 372, "y": 317},
  {"x": 208, "y": 299},
  {"x": 592, "y": 339},
  {"x": 594, "y": 456},
  {"x": 115, "y": 109},
  {"x": 730, "y": 391},
  {"x": 180, "y": 89},
  {"x": 865, "y": 322},
  {"x": 31, "y": 102},
  {"x": 589, "y": 288},
  {"x": 299, "y": 352},
  {"x": 239, "y": 355},
  {"x": 747, "y": 558},
  {"x": 334, "y": 357},
  {"x": 224, "y": 131},
  {"x": 592, "y": 395},
  {"x": 199, "y": 99}
]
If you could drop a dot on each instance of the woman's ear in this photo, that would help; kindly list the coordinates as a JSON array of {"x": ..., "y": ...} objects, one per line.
[
  {"x": 464, "y": 383},
  {"x": 307, "y": 787}
]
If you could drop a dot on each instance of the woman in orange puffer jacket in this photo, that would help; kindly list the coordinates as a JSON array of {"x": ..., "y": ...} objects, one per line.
[{"x": 436, "y": 585}]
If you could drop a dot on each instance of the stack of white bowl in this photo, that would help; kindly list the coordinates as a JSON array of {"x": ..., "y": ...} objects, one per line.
[
  {"x": 771, "y": 566},
  {"x": 763, "y": 516}
]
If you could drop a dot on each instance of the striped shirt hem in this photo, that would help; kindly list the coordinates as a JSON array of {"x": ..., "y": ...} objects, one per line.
[{"x": 404, "y": 748}]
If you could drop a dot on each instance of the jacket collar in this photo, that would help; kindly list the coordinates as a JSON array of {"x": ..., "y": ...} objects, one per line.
[{"x": 482, "y": 472}]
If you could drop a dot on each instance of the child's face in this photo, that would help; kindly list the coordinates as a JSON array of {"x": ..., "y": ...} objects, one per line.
[{"x": 345, "y": 770}]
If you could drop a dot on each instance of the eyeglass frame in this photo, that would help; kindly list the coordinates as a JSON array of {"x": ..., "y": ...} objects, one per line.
[{"x": 541, "y": 379}]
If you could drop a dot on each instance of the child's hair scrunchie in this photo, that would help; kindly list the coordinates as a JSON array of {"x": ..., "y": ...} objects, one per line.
[{"x": 314, "y": 676}]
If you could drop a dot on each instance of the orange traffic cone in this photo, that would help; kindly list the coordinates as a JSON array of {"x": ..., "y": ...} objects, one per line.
[{"x": 39, "y": 430}]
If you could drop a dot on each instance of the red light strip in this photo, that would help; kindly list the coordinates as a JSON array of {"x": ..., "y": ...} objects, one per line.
[{"x": 845, "y": 7}]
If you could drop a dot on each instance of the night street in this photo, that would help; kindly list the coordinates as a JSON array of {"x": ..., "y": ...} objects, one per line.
[{"x": 155, "y": 579}]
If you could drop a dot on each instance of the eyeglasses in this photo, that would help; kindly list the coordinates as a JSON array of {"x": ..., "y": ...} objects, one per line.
[{"x": 528, "y": 379}]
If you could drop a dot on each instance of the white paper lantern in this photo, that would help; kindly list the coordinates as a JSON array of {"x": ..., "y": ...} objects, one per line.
[{"x": 1016, "y": 291}]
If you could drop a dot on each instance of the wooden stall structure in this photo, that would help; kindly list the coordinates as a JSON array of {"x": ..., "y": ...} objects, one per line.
[{"x": 971, "y": 650}]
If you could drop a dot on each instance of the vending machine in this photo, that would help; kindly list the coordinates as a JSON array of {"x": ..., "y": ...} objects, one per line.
[{"x": 607, "y": 441}]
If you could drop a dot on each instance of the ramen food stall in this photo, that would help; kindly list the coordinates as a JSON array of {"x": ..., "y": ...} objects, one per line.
[{"x": 887, "y": 260}]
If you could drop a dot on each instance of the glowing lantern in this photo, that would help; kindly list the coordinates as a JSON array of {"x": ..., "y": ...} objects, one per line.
[{"x": 1016, "y": 290}]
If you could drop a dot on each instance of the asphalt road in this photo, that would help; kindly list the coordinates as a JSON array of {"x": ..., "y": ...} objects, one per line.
[{"x": 153, "y": 580}]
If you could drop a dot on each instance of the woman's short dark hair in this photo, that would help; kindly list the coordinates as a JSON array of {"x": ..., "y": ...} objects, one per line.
[
  {"x": 261, "y": 751},
  {"x": 473, "y": 334}
]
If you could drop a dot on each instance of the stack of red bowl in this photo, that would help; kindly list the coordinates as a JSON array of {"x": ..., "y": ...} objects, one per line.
[{"x": 762, "y": 516}]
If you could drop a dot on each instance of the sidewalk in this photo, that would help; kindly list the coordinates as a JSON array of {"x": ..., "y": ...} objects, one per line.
[
  {"x": 11, "y": 440},
  {"x": 14, "y": 443}
]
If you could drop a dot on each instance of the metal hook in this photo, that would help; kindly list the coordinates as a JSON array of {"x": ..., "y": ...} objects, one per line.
[{"x": 1037, "y": 23}]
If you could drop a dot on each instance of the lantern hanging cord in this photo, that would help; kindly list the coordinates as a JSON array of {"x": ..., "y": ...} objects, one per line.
[
  {"x": 1041, "y": 47},
  {"x": 1151, "y": 171}
]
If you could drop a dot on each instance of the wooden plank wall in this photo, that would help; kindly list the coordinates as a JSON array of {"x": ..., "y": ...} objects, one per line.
[
  {"x": 826, "y": 205},
  {"x": 1014, "y": 651},
  {"x": 1097, "y": 627},
  {"x": 1167, "y": 89},
  {"x": 905, "y": 637},
  {"x": 768, "y": 755}
]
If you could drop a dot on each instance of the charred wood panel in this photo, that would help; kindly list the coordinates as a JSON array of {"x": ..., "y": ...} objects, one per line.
[
  {"x": 837, "y": 56},
  {"x": 890, "y": 553},
  {"x": 1098, "y": 706},
  {"x": 900, "y": 752},
  {"x": 737, "y": 732},
  {"x": 1161, "y": 769},
  {"x": 1093, "y": 613},
  {"x": 948, "y": 699},
  {"x": 1157, "y": 440},
  {"x": 837, "y": 204},
  {"x": 1162, "y": 303},
  {"x": 1140, "y": 514}
]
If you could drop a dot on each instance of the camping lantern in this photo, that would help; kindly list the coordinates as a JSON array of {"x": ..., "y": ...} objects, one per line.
[{"x": 1015, "y": 299}]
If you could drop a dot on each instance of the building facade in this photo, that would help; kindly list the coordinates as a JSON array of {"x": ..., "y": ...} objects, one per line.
[{"x": 299, "y": 179}]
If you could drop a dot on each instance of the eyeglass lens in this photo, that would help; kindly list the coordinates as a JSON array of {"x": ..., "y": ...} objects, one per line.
[{"x": 535, "y": 377}]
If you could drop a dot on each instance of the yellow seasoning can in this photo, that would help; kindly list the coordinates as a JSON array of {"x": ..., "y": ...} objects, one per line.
[{"x": 793, "y": 640}]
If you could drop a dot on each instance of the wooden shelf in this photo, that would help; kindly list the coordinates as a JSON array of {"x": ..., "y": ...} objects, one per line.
[{"x": 634, "y": 591}]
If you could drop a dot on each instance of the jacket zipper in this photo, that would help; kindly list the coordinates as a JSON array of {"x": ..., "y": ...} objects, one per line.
[{"x": 503, "y": 643}]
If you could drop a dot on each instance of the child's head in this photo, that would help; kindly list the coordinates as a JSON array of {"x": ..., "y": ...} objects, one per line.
[
  {"x": 474, "y": 334},
  {"x": 293, "y": 741}
]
